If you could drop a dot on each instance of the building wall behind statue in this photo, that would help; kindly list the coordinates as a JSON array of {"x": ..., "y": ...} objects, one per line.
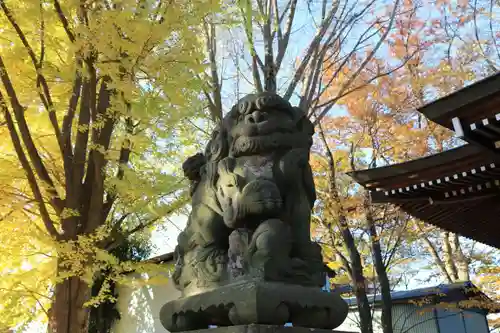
[
  {"x": 140, "y": 306},
  {"x": 410, "y": 318}
]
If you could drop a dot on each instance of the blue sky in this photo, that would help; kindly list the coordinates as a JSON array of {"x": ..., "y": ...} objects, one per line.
[{"x": 164, "y": 238}]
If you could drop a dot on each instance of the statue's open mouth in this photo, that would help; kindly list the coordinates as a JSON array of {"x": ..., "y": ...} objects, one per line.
[
  {"x": 270, "y": 142},
  {"x": 264, "y": 128}
]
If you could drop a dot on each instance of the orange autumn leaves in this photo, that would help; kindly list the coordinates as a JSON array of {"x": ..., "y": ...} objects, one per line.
[{"x": 380, "y": 114}]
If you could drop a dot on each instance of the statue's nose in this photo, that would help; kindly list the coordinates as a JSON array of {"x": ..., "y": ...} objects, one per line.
[{"x": 256, "y": 117}]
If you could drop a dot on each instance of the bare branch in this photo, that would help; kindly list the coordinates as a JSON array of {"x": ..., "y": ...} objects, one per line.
[
  {"x": 82, "y": 135},
  {"x": 269, "y": 65},
  {"x": 346, "y": 58},
  {"x": 256, "y": 75},
  {"x": 95, "y": 172},
  {"x": 366, "y": 60},
  {"x": 215, "y": 104},
  {"x": 283, "y": 42},
  {"x": 492, "y": 31},
  {"x": 388, "y": 258},
  {"x": 490, "y": 64},
  {"x": 256, "y": 61},
  {"x": 310, "y": 51},
  {"x": 125, "y": 151},
  {"x": 42, "y": 34},
  {"x": 327, "y": 106},
  {"x": 70, "y": 114},
  {"x": 432, "y": 250},
  {"x": 118, "y": 239}
]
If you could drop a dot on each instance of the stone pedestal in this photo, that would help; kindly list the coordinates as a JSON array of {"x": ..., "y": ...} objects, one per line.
[
  {"x": 255, "y": 302},
  {"x": 263, "y": 329}
]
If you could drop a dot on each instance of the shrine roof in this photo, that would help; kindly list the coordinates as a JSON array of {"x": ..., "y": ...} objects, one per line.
[
  {"x": 457, "y": 190},
  {"x": 471, "y": 104}
]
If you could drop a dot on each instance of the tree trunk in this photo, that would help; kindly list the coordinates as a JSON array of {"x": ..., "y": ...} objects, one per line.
[
  {"x": 358, "y": 281},
  {"x": 462, "y": 263},
  {"x": 435, "y": 256},
  {"x": 383, "y": 279},
  {"x": 68, "y": 315},
  {"x": 448, "y": 257}
]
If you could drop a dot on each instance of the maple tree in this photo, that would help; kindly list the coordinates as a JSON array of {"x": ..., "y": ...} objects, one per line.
[
  {"x": 473, "y": 29},
  {"x": 94, "y": 97},
  {"x": 368, "y": 125},
  {"x": 453, "y": 258},
  {"x": 382, "y": 127},
  {"x": 361, "y": 239}
]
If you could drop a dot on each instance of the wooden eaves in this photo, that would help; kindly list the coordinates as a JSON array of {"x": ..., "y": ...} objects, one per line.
[
  {"x": 457, "y": 190},
  {"x": 473, "y": 113}
]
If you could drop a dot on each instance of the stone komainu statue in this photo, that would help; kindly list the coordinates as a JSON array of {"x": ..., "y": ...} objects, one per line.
[{"x": 252, "y": 195}]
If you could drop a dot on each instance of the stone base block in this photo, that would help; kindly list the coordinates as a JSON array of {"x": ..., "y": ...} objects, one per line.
[
  {"x": 253, "y": 328},
  {"x": 255, "y": 302}
]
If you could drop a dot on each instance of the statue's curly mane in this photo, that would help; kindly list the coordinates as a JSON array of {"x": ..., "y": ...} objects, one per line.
[
  {"x": 217, "y": 147},
  {"x": 220, "y": 143}
]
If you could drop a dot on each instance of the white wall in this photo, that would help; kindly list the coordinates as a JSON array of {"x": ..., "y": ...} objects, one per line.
[
  {"x": 351, "y": 323},
  {"x": 140, "y": 306}
]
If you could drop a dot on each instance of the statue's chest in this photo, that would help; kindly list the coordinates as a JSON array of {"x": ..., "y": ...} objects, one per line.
[{"x": 255, "y": 167}]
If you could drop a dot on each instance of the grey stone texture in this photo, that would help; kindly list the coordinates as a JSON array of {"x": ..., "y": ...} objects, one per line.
[
  {"x": 246, "y": 255},
  {"x": 255, "y": 301}
]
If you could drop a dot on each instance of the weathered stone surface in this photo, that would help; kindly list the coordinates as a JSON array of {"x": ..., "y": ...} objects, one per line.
[
  {"x": 237, "y": 253},
  {"x": 255, "y": 177},
  {"x": 255, "y": 301},
  {"x": 253, "y": 328},
  {"x": 246, "y": 255}
]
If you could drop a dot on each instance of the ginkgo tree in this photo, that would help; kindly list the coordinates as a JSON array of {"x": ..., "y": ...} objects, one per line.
[
  {"x": 26, "y": 267},
  {"x": 94, "y": 96}
]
